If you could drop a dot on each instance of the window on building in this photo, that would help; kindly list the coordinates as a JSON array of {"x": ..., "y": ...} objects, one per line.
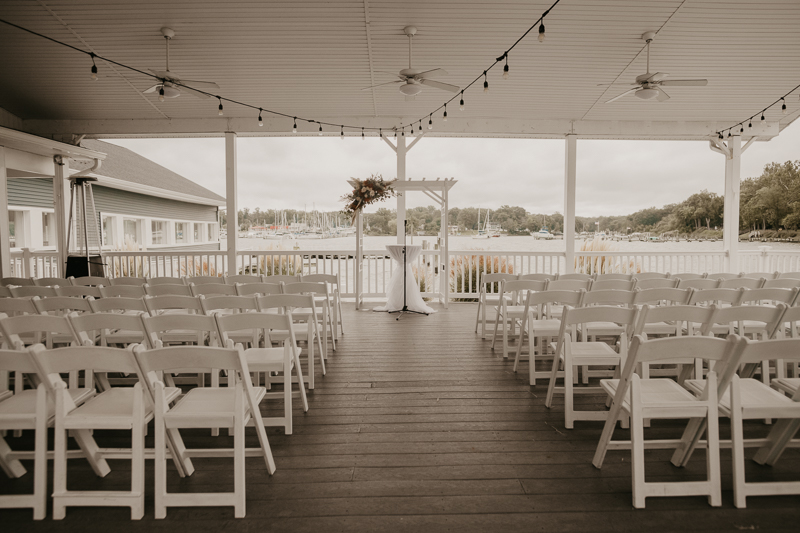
[
  {"x": 12, "y": 228},
  {"x": 130, "y": 228},
  {"x": 181, "y": 232},
  {"x": 108, "y": 231},
  {"x": 213, "y": 235},
  {"x": 198, "y": 233},
  {"x": 158, "y": 231},
  {"x": 48, "y": 229}
]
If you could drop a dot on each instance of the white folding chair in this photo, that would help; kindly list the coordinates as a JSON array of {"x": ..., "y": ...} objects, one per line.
[
  {"x": 28, "y": 409},
  {"x": 204, "y": 280},
  {"x": 123, "y": 291},
  {"x": 334, "y": 283},
  {"x": 118, "y": 304},
  {"x": 127, "y": 280},
  {"x": 90, "y": 281},
  {"x": 541, "y": 326},
  {"x": 205, "y": 407},
  {"x": 512, "y": 309},
  {"x": 165, "y": 280},
  {"x": 28, "y": 291},
  {"x": 212, "y": 289},
  {"x": 645, "y": 399},
  {"x": 47, "y": 282},
  {"x": 642, "y": 276},
  {"x": 303, "y": 309},
  {"x": 322, "y": 312},
  {"x": 79, "y": 291},
  {"x": 656, "y": 283},
  {"x": 488, "y": 290},
  {"x": 118, "y": 408},
  {"x": 250, "y": 289},
  {"x": 571, "y": 353},
  {"x": 167, "y": 289},
  {"x": 19, "y": 282},
  {"x": 268, "y": 359},
  {"x": 242, "y": 278}
]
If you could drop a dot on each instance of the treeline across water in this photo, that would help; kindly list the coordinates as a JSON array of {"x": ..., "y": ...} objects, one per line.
[{"x": 768, "y": 202}]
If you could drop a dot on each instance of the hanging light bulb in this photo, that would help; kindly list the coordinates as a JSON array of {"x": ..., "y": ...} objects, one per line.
[
  {"x": 395, "y": 134},
  {"x": 741, "y": 130},
  {"x": 541, "y": 31},
  {"x": 485, "y": 83},
  {"x": 362, "y": 135},
  {"x": 750, "y": 124},
  {"x": 720, "y": 135},
  {"x": 420, "y": 126},
  {"x": 341, "y": 133},
  {"x": 461, "y": 103},
  {"x": 505, "y": 68},
  {"x": 762, "y": 115},
  {"x": 380, "y": 132},
  {"x": 403, "y": 132},
  {"x": 294, "y": 126},
  {"x": 783, "y": 107},
  {"x": 444, "y": 117},
  {"x": 220, "y": 106},
  {"x": 320, "y": 128},
  {"x": 260, "y": 120},
  {"x": 430, "y": 122},
  {"x": 161, "y": 94},
  {"x": 729, "y": 134},
  {"x": 94, "y": 68}
]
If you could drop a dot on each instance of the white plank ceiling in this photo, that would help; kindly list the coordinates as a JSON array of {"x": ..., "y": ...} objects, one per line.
[{"x": 311, "y": 58}]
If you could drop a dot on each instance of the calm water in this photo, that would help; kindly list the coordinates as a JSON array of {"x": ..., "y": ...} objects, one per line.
[{"x": 520, "y": 243}]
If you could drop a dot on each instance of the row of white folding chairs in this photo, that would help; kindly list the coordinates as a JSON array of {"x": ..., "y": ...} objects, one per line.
[
  {"x": 490, "y": 287},
  {"x": 77, "y": 413},
  {"x": 761, "y": 321},
  {"x": 332, "y": 280},
  {"x": 702, "y": 401},
  {"x": 510, "y": 308},
  {"x": 329, "y": 302},
  {"x": 304, "y": 305}
]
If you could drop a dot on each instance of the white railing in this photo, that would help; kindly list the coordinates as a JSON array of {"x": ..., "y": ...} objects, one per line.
[
  {"x": 766, "y": 260},
  {"x": 464, "y": 266},
  {"x": 633, "y": 262}
]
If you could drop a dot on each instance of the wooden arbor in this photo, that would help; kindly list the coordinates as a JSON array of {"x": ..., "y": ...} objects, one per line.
[{"x": 437, "y": 190}]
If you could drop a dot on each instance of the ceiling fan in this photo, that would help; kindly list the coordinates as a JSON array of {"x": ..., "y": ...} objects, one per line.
[
  {"x": 649, "y": 86},
  {"x": 172, "y": 86},
  {"x": 411, "y": 80}
]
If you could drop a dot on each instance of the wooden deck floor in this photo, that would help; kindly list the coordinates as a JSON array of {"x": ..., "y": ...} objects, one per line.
[{"x": 418, "y": 426}]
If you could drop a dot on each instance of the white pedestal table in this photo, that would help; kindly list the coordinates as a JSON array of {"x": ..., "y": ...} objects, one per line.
[{"x": 394, "y": 294}]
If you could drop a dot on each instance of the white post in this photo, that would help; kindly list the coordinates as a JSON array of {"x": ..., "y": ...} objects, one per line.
[
  {"x": 730, "y": 217},
  {"x": 570, "y": 150},
  {"x": 401, "y": 198},
  {"x": 5, "y": 239},
  {"x": 61, "y": 195},
  {"x": 359, "y": 267},
  {"x": 444, "y": 249},
  {"x": 231, "y": 198}
]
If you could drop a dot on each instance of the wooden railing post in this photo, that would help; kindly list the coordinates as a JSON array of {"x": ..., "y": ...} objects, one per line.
[{"x": 26, "y": 263}]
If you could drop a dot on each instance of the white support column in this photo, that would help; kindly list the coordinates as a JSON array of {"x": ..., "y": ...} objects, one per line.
[
  {"x": 730, "y": 217},
  {"x": 401, "y": 198},
  {"x": 5, "y": 245},
  {"x": 61, "y": 195},
  {"x": 570, "y": 153},
  {"x": 444, "y": 249},
  {"x": 359, "y": 267},
  {"x": 231, "y": 197}
]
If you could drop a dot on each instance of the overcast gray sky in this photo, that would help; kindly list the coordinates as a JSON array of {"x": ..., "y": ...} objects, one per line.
[{"x": 614, "y": 177}]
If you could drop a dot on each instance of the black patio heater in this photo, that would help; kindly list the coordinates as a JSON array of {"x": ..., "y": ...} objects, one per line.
[{"x": 84, "y": 257}]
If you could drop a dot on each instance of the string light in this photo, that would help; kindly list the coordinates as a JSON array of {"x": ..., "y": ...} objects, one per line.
[
  {"x": 260, "y": 120},
  {"x": 781, "y": 101},
  {"x": 762, "y": 115},
  {"x": 294, "y": 126},
  {"x": 161, "y": 94},
  {"x": 720, "y": 135},
  {"x": 430, "y": 121},
  {"x": 362, "y": 135},
  {"x": 783, "y": 106},
  {"x": 420, "y": 126},
  {"x": 750, "y": 124},
  {"x": 380, "y": 132},
  {"x": 729, "y": 134},
  {"x": 178, "y": 84},
  {"x": 741, "y": 130},
  {"x": 444, "y": 117},
  {"x": 341, "y": 133}
]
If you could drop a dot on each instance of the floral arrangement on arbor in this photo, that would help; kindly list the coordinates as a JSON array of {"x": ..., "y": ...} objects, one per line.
[{"x": 365, "y": 192}]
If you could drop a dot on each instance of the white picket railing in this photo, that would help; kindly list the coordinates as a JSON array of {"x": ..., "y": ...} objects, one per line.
[{"x": 464, "y": 266}]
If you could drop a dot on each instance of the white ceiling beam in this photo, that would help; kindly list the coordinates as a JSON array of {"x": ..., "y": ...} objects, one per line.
[{"x": 456, "y": 127}]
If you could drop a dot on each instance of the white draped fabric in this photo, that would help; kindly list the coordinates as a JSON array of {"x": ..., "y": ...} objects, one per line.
[{"x": 394, "y": 295}]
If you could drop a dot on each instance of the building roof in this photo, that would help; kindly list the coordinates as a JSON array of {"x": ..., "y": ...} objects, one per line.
[{"x": 143, "y": 175}]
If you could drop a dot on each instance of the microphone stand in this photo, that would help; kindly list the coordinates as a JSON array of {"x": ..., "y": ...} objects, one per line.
[{"x": 405, "y": 309}]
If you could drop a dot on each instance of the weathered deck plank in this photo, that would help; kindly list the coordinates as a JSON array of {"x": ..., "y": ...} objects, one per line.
[{"x": 420, "y": 426}]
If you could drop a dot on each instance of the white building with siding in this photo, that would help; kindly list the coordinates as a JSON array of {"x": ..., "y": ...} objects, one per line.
[{"x": 140, "y": 206}]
